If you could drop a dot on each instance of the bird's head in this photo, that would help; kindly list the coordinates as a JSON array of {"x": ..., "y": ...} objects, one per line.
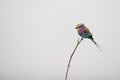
[{"x": 79, "y": 25}]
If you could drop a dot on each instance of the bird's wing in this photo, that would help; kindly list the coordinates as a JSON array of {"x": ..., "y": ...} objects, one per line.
[{"x": 87, "y": 30}]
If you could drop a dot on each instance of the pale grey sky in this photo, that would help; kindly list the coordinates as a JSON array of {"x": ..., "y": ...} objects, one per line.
[{"x": 38, "y": 36}]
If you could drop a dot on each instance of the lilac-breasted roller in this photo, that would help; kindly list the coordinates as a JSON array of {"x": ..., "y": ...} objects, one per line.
[{"x": 84, "y": 32}]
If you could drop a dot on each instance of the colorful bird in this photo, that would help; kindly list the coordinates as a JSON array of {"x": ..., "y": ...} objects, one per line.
[{"x": 84, "y": 32}]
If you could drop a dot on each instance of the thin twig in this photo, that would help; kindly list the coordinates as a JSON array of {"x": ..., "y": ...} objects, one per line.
[{"x": 71, "y": 57}]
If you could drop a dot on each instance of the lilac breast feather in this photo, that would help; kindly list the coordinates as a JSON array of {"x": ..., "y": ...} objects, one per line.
[{"x": 81, "y": 31}]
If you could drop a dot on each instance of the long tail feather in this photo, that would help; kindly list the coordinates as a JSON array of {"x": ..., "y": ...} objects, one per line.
[{"x": 97, "y": 45}]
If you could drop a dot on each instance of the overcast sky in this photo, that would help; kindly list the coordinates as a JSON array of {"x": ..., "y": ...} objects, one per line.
[{"x": 38, "y": 36}]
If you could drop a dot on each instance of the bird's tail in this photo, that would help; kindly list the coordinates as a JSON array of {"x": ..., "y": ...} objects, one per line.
[{"x": 97, "y": 45}]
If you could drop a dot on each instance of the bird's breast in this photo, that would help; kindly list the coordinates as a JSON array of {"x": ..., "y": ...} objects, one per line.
[{"x": 81, "y": 31}]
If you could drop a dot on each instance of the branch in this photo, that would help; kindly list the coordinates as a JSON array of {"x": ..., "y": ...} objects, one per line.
[{"x": 71, "y": 57}]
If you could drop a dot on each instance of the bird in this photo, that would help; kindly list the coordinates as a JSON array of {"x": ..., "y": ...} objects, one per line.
[{"x": 84, "y": 32}]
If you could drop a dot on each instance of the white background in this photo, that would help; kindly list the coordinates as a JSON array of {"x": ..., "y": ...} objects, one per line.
[{"x": 38, "y": 36}]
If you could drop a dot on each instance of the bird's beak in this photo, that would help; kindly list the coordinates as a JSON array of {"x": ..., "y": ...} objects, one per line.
[{"x": 76, "y": 27}]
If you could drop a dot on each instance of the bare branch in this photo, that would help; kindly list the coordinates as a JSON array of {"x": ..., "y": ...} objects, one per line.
[{"x": 71, "y": 57}]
